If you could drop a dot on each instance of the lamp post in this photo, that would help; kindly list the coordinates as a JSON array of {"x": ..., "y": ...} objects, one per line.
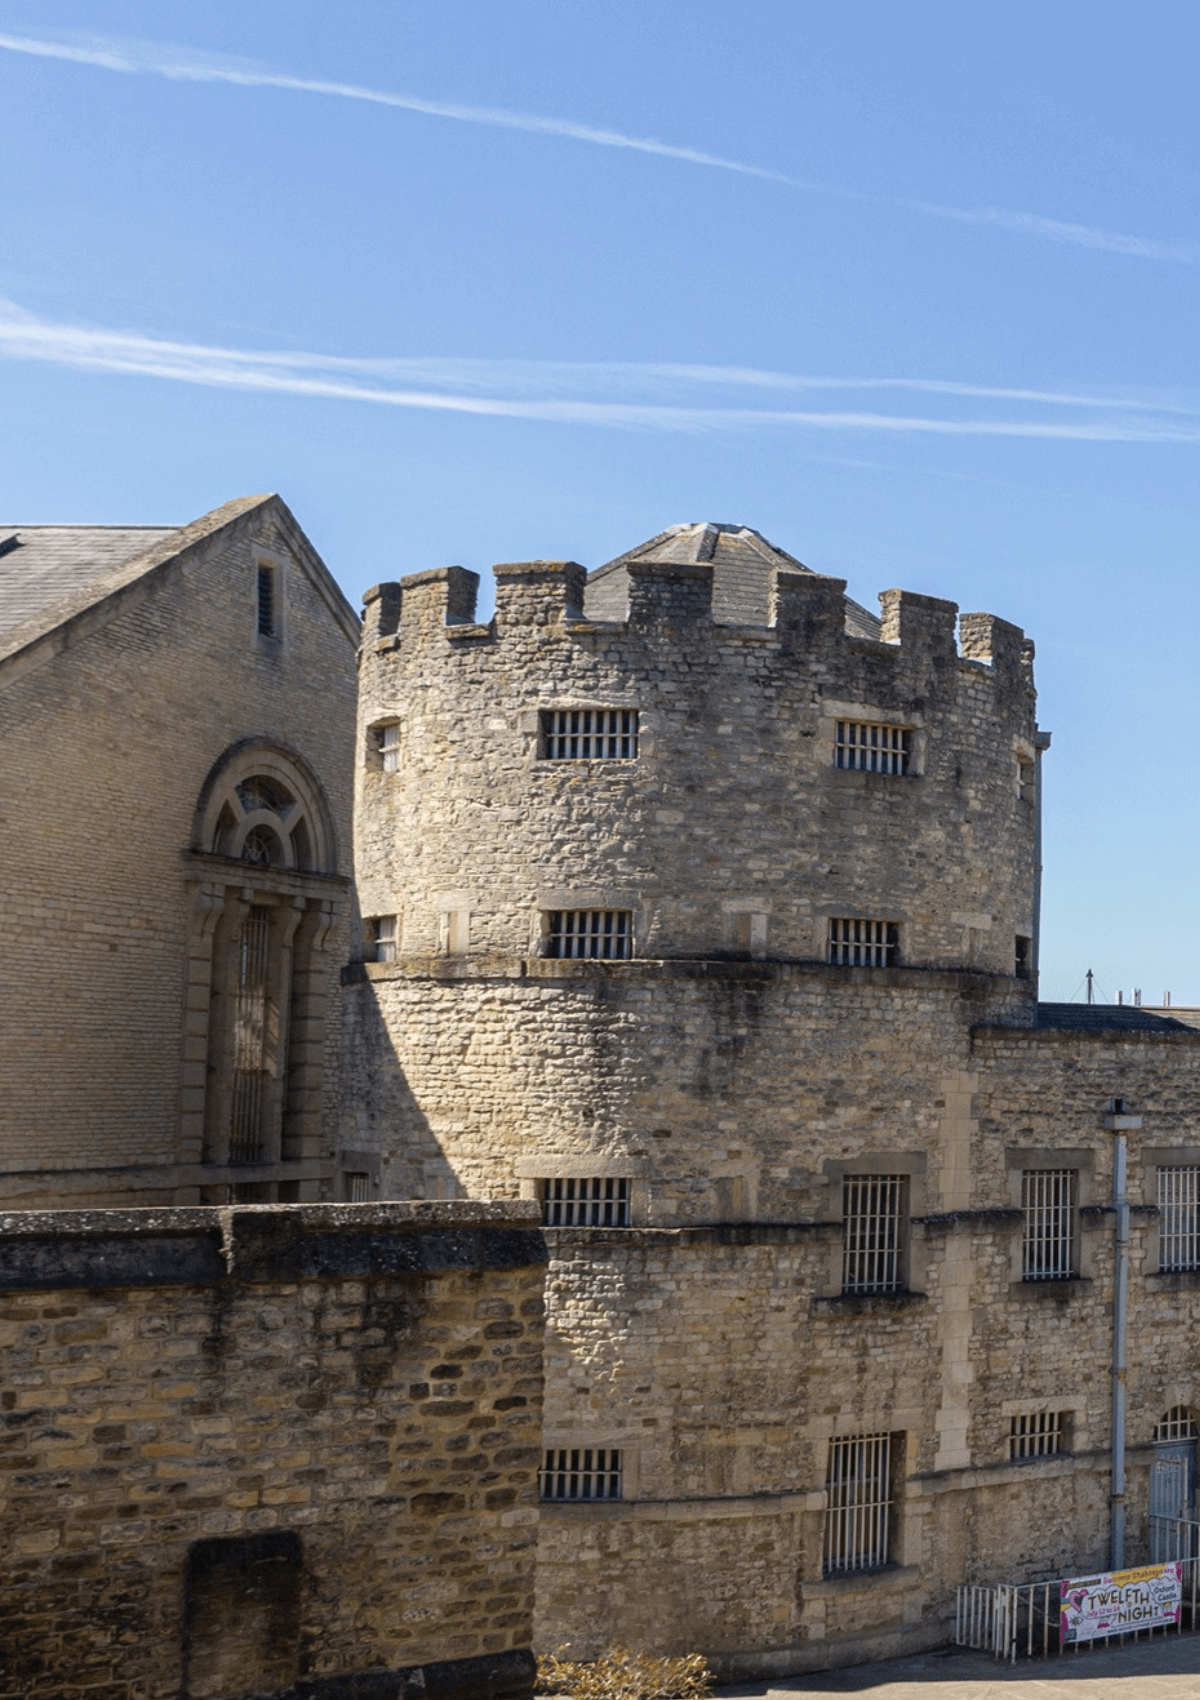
[{"x": 1119, "y": 1123}]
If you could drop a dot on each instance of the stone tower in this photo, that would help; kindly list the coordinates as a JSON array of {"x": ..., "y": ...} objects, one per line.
[{"x": 683, "y": 888}]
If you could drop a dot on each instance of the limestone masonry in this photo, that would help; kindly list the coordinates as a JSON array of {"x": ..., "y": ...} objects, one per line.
[{"x": 694, "y": 923}]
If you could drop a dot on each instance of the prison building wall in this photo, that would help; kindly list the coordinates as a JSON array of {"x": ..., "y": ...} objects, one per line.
[
  {"x": 269, "y": 1451},
  {"x": 120, "y": 702}
]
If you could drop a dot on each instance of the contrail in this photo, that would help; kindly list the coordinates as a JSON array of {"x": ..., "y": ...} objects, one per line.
[
  {"x": 186, "y": 65},
  {"x": 25, "y": 336}
]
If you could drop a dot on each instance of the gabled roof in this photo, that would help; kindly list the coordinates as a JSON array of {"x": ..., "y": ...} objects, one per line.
[
  {"x": 51, "y": 575},
  {"x": 743, "y": 561},
  {"x": 43, "y": 565}
]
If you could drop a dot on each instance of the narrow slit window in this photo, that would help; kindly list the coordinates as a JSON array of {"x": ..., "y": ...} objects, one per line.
[
  {"x": 599, "y": 1201},
  {"x": 872, "y": 748},
  {"x": 581, "y": 1473},
  {"x": 1037, "y": 1434},
  {"x": 1179, "y": 1217},
  {"x": 268, "y": 612},
  {"x": 859, "y": 1519},
  {"x": 858, "y": 943},
  {"x": 250, "y": 1062},
  {"x": 1048, "y": 1207},
  {"x": 381, "y": 938},
  {"x": 387, "y": 744},
  {"x": 873, "y": 1218},
  {"x": 589, "y": 734},
  {"x": 596, "y": 934}
]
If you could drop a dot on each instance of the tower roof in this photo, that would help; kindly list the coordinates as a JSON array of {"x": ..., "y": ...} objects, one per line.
[{"x": 743, "y": 561}]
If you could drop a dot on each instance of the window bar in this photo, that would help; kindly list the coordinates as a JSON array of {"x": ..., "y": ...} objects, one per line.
[
  {"x": 1048, "y": 1201},
  {"x": 873, "y": 1215},
  {"x": 1035, "y": 1435},
  {"x": 595, "y": 934},
  {"x": 872, "y": 748},
  {"x": 1179, "y": 1219},
  {"x": 250, "y": 1039},
  {"x": 861, "y": 943},
  {"x": 858, "y": 1519},
  {"x": 581, "y": 1473},
  {"x": 595, "y": 1202},
  {"x": 590, "y": 734}
]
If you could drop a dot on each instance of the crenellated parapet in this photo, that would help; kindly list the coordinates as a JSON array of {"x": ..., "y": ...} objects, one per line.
[{"x": 726, "y": 789}]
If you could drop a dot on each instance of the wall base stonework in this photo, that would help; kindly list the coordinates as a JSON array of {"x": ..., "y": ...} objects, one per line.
[{"x": 284, "y": 1451}]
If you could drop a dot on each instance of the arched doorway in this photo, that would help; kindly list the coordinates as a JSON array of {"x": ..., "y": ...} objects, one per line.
[{"x": 1173, "y": 1485}]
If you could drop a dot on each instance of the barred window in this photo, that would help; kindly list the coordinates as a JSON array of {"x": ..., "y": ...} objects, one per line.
[
  {"x": 601, "y": 1201},
  {"x": 1048, "y": 1203},
  {"x": 872, "y": 748},
  {"x": 1179, "y": 1217},
  {"x": 1037, "y": 1434},
  {"x": 589, "y": 734},
  {"x": 873, "y": 1216},
  {"x": 603, "y": 934},
  {"x": 1176, "y": 1424},
  {"x": 859, "y": 1519},
  {"x": 864, "y": 944},
  {"x": 381, "y": 938},
  {"x": 584, "y": 1472},
  {"x": 357, "y": 1186},
  {"x": 387, "y": 742}
]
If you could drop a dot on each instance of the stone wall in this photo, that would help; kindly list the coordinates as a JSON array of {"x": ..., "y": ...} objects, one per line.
[{"x": 269, "y": 1451}]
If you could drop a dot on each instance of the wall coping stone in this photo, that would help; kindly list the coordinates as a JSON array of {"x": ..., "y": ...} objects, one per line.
[{"x": 202, "y": 1245}]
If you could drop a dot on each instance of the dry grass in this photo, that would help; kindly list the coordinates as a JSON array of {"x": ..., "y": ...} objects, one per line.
[{"x": 622, "y": 1675}]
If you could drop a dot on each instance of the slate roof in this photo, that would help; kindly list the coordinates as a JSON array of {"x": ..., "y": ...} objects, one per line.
[
  {"x": 52, "y": 563},
  {"x": 743, "y": 561},
  {"x": 1107, "y": 1018}
]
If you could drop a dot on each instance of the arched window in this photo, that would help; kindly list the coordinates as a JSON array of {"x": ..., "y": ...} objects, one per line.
[
  {"x": 264, "y": 892},
  {"x": 1176, "y": 1424}
]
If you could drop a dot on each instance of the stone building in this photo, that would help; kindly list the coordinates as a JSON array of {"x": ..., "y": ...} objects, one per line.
[
  {"x": 701, "y": 907},
  {"x": 177, "y": 718}
]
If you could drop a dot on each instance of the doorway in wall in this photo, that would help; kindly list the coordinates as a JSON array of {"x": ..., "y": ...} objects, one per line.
[{"x": 1173, "y": 1486}]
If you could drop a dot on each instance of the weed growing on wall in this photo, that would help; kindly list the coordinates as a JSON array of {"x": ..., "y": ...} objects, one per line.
[{"x": 622, "y": 1675}]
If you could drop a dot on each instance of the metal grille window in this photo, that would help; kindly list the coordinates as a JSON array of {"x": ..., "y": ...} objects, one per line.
[
  {"x": 584, "y": 1472},
  {"x": 1037, "y": 1434},
  {"x": 266, "y": 601},
  {"x": 873, "y": 1213},
  {"x": 250, "y": 1038},
  {"x": 858, "y": 1522},
  {"x": 1176, "y": 1424},
  {"x": 387, "y": 739},
  {"x": 603, "y": 934},
  {"x": 599, "y": 1202},
  {"x": 1048, "y": 1203},
  {"x": 1179, "y": 1217},
  {"x": 589, "y": 734},
  {"x": 381, "y": 936},
  {"x": 864, "y": 944},
  {"x": 872, "y": 749},
  {"x": 357, "y": 1187}
]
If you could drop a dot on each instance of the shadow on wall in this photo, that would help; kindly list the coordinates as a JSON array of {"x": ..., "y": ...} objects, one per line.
[{"x": 380, "y": 1113}]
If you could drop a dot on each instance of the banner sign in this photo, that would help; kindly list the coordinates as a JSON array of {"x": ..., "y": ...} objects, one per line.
[{"x": 1092, "y": 1607}]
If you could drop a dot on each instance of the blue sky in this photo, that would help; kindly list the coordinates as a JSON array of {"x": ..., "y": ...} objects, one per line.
[{"x": 911, "y": 290}]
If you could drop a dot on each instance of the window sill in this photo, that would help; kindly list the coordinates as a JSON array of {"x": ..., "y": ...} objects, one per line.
[
  {"x": 886, "y": 1576},
  {"x": 868, "y": 1301},
  {"x": 1175, "y": 1278}
]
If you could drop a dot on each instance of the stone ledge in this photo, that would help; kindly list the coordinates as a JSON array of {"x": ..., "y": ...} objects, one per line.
[
  {"x": 682, "y": 1510},
  {"x": 947, "y": 1221},
  {"x": 1069, "y": 1287},
  {"x": 870, "y": 1303},
  {"x": 710, "y": 1233},
  {"x": 888, "y": 1577},
  {"x": 42, "y": 1250}
]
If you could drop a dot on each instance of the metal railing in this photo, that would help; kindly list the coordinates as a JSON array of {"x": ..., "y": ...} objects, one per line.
[{"x": 1021, "y": 1620}]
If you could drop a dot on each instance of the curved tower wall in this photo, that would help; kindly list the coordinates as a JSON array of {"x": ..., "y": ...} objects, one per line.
[{"x": 702, "y": 1067}]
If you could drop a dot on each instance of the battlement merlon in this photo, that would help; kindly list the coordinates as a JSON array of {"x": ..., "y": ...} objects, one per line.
[{"x": 807, "y": 612}]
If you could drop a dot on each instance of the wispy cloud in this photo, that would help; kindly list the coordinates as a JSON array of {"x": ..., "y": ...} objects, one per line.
[
  {"x": 188, "y": 65},
  {"x": 1060, "y": 230},
  {"x": 623, "y": 395},
  {"x": 185, "y": 66}
]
